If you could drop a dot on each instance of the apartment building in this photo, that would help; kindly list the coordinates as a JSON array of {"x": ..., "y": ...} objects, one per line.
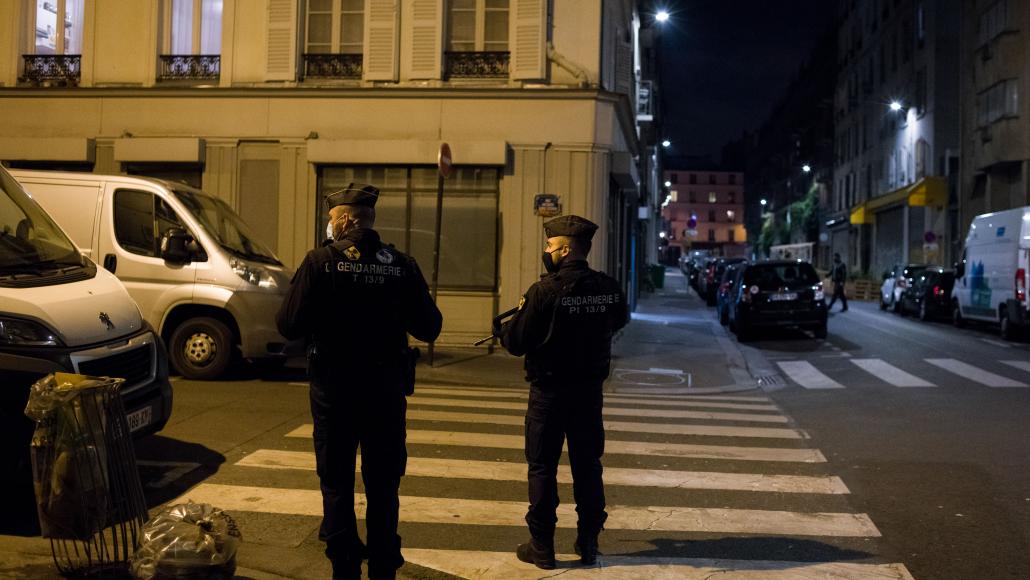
[
  {"x": 995, "y": 120},
  {"x": 270, "y": 104},
  {"x": 705, "y": 210},
  {"x": 896, "y": 115}
]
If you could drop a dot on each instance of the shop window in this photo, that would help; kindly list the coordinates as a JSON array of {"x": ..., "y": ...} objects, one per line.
[{"x": 406, "y": 217}]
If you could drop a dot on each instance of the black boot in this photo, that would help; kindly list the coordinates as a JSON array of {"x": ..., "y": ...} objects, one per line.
[
  {"x": 586, "y": 549},
  {"x": 537, "y": 553}
]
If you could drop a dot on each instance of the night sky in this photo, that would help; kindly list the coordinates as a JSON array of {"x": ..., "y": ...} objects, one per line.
[{"x": 726, "y": 62}]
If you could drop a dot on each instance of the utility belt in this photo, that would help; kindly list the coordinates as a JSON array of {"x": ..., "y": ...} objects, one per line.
[
  {"x": 404, "y": 359},
  {"x": 552, "y": 371}
]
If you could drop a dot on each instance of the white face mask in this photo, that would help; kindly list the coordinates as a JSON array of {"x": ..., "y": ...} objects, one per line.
[{"x": 329, "y": 230}]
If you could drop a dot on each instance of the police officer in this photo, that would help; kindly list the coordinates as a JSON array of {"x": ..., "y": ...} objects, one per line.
[
  {"x": 564, "y": 326},
  {"x": 358, "y": 298},
  {"x": 839, "y": 277}
]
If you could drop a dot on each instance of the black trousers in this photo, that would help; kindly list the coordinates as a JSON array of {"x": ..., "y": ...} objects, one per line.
[
  {"x": 558, "y": 413},
  {"x": 367, "y": 411},
  {"x": 838, "y": 292}
]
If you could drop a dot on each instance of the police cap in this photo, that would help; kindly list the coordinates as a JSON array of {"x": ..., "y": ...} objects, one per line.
[
  {"x": 353, "y": 194},
  {"x": 571, "y": 226}
]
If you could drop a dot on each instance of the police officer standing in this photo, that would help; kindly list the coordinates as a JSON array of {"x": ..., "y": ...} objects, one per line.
[
  {"x": 358, "y": 298},
  {"x": 839, "y": 277},
  {"x": 564, "y": 326}
]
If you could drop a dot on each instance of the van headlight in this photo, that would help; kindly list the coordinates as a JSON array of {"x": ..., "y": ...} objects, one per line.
[
  {"x": 17, "y": 332},
  {"x": 256, "y": 275}
]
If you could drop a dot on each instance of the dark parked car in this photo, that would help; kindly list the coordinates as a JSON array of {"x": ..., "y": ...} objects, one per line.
[
  {"x": 713, "y": 277},
  {"x": 727, "y": 290},
  {"x": 930, "y": 294},
  {"x": 705, "y": 276},
  {"x": 778, "y": 293},
  {"x": 895, "y": 281}
]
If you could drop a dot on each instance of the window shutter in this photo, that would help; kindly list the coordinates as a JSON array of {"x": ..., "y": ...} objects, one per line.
[
  {"x": 380, "y": 61},
  {"x": 426, "y": 40},
  {"x": 528, "y": 35},
  {"x": 281, "y": 55},
  {"x": 624, "y": 65}
]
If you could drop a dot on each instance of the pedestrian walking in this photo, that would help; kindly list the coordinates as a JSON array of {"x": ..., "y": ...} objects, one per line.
[
  {"x": 564, "y": 327},
  {"x": 358, "y": 299},
  {"x": 839, "y": 277}
]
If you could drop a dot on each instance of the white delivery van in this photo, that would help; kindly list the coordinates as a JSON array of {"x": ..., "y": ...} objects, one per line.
[
  {"x": 198, "y": 273},
  {"x": 59, "y": 312},
  {"x": 991, "y": 277}
]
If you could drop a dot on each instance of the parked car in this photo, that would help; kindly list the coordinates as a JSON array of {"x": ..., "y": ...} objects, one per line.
[
  {"x": 727, "y": 289},
  {"x": 705, "y": 276},
  {"x": 59, "y": 312},
  {"x": 712, "y": 282},
  {"x": 778, "y": 294},
  {"x": 894, "y": 283},
  {"x": 990, "y": 280},
  {"x": 929, "y": 295},
  {"x": 199, "y": 274}
]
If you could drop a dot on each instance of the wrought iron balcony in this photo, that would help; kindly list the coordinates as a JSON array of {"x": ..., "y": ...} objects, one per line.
[
  {"x": 477, "y": 64},
  {"x": 332, "y": 66},
  {"x": 188, "y": 67},
  {"x": 52, "y": 69}
]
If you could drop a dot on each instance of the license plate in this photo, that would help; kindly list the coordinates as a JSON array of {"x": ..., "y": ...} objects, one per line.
[
  {"x": 783, "y": 297},
  {"x": 139, "y": 419}
]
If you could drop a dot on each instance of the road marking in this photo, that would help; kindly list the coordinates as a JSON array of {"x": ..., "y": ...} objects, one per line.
[
  {"x": 617, "y": 400},
  {"x": 609, "y": 410},
  {"x": 502, "y": 566},
  {"x": 996, "y": 343},
  {"x": 806, "y": 375},
  {"x": 1019, "y": 364},
  {"x": 448, "y": 510},
  {"x": 974, "y": 374},
  {"x": 173, "y": 470},
  {"x": 507, "y": 471},
  {"x": 524, "y": 394},
  {"x": 890, "y": 373},
  {"x": 496, "y": 441}
]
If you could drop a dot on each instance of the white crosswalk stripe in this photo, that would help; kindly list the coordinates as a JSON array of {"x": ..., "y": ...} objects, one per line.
[
  {"x": 806, "y": 375},
  {"x": 482, "y": 419},
  {"x": 975, "y": 374},
  {"x": 890, "y": 373}
]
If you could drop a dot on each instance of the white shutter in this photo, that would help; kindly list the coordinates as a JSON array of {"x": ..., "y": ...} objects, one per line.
[
  {"x": 281, "y": 52},
  {"x": 425, "y": 40},
  {"x": 380, "y": 61},
  {"x": 527, "y": 39},
  {"x": 624, "y": 77}
]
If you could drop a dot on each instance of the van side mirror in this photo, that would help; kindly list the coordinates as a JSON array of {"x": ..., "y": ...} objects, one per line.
[{"x": 175, "y": 246}]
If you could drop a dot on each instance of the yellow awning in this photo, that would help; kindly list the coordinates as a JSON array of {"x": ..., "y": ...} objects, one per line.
[{"x": 928, "y": 191}]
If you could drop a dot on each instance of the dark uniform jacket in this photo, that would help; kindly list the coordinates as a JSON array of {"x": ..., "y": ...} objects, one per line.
[
  {"x": 565, "y": 324},
  {"x": 359, "y": 298},
  {"x": 839, "y": 273}
]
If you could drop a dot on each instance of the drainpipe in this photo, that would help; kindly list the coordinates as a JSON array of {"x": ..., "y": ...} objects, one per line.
[{"x": 577, "y": 71}]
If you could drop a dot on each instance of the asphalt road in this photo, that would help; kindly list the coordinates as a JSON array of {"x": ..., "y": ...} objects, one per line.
[{"x": 943, "y": 468}]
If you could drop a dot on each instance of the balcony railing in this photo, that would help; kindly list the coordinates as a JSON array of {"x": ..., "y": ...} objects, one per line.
[
  {"x": 52, "y": 69},
  {"x": 332, "y": 66},
  {"x": 189, "y": 67},
  {"x": 469, "y": 65}
]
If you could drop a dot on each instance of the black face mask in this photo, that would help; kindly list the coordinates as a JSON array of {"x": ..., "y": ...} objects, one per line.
[{"x": 549, "y": 264}]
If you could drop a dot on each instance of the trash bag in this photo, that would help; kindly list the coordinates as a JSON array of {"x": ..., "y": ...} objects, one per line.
[
  {"x": 193, "y": 541},
  {"x": 69, "y": 454}
]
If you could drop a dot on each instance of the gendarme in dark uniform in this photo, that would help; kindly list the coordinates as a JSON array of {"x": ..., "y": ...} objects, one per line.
[
  {"x": 564, "y": 327},
  {"x": 358, "y": 298}
]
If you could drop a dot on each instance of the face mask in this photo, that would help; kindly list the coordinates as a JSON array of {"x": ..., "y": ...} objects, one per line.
[
  {"x": 549, "y": 264},
  {"x": 329, "y": 230}
]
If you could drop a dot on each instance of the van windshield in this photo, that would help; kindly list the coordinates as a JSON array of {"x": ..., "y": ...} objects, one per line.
[
  {"x": 30, "y": 242},
  {"x": 222, "y": 223}
]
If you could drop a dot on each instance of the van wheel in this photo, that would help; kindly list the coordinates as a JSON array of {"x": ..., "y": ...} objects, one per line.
[
  {"x": 883, "y": 305},
  {"x": 1008, "y": 331},
  {"x": 201, "y": 348},
  {"x": 956, "y": 315}
]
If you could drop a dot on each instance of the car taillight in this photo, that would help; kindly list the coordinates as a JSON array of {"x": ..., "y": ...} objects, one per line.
[
  {"x": 938, "y": 291},
  {"x": 1021, "y": 284},
  {"x": 819, "y": 293}
]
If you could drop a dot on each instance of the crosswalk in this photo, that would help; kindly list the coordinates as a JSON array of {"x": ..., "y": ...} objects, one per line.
[
  {"x": 925, "y": 373},
  {"x": 679, "y": 471}
]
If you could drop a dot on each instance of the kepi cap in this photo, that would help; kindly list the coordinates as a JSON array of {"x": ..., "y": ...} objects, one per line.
[
  {"x": 353, "y": 194},
  {"x": 572, "y": 226}
]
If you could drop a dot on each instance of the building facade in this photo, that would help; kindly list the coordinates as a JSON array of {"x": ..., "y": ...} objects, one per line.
[
  {"x": 995, "y": 119},
  {"x": 270, "y": 104},
  {"x": 705, "y": 210},
  {"x": 895, "y": 170}
]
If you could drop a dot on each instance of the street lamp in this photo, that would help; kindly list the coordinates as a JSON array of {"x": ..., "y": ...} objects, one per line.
[
  {"x": 668, "y": 184},
  {"x": 896, "y": 106},
  {"x": 662, "y": 16},
  {"x": 666, "y": 143},
  {"x": 806, "y": 168},
  {"x": 763, "y": 202}
]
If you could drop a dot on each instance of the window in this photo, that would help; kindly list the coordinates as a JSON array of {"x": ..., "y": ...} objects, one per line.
[
  {"x": 992, "y": 22},
  {"x": 921, "y": 92},
  {"x": 711, "y": 179},
  {"x": 733, "y": 197},
  {"x": 711, "y": 216},
  {"x": 693, "y": 198},
  {"x": 731, "y": 235},
  {"x": 335, "y": 26},
  {"x": 712, "y": 197},
  {"x": 52, "y": 38},
  {"x": 907, "y": 38},
  {"x": 733, "y": 179},
  {"x": 675, "y": 196},
  {"x": 140, "y": 219},
  {"x": 192, "y": 27},
  {"x": 730, "y": 215},
  {"x": 693, "y": 179},
  {"x": 920, "y": 25},
  {"x": 674, "y": 177},
  {"x": 406, "y": 217},
  {"x": 477, "y": 26},
  {"x": 997, "y": 102},
  {"x": 711, "y": 235}
]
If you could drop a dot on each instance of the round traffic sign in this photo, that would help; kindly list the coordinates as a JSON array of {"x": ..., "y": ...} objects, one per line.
[{"x": 444, "y": 160}]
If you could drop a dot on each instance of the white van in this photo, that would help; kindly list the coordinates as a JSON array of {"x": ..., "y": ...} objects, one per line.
[
  {"x": 197, "y": 272},
  {"x": 990, "y": 279},
  {"x": 59, "y": 312}
]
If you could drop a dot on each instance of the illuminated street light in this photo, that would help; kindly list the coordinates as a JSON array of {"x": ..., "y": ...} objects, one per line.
[
  {"x": 668, "y": 184},
  {"x": 763, "y": 202},
  {"x": 661, "y": 235},
  {"x": 662, "y": 16},
  {"x": 806, "y": 168},
  {"x": 666, "y": 143},
  {"x": 896, "y": 106}
]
